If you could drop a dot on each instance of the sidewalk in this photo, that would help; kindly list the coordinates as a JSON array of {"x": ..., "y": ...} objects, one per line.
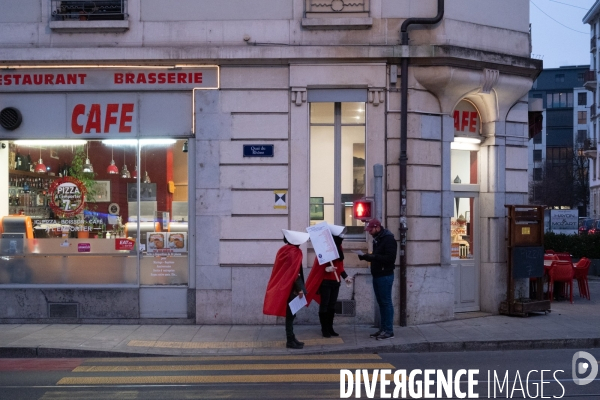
[{"x": 569, "y": 325}]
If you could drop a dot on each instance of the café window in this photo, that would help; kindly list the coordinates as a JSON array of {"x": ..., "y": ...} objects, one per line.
[
  {"x": 337, "y": 162},
  {"x": 95, "y": 212},
  {"x": 465, "y": 147}
]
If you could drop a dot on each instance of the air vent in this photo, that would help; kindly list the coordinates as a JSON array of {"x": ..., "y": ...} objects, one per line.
[
  {"x": 10, "y": 118},
  {"x": 346, "y": 308},
  {"x": 63, "y": 310}
]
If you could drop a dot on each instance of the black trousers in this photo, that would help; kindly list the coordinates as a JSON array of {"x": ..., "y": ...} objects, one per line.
[{"x": 329, "y": 291}]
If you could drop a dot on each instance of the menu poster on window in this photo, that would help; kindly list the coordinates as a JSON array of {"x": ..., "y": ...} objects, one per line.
[
  {"x": 177, "y": 241},
  {"x": 156, "y": 241},
  {"x": 322, "y": 241}
]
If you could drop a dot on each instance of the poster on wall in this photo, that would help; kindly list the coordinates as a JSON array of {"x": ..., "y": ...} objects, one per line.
[
  {"x": 155, "y": 241},
  {"x": 177, "y": 241},
  {"x": 147, "y": 192}
]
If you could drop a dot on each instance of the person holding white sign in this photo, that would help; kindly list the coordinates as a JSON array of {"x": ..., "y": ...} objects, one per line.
[
  {"x": 287, "y": 282},
  {"x": 323, "y": 285}
]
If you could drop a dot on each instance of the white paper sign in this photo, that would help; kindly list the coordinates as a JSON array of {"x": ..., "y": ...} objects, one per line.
[
  {"x": 322, "y": 241},
  {"x": 297, "y": 303}
]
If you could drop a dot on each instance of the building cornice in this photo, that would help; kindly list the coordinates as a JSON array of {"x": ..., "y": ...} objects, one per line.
[{"x": 269, "y": 54}]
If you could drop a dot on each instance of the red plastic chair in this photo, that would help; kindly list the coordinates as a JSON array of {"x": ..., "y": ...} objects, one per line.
[
  {"x": 561, "y": 271},
  {"x": 581, "y": 274}
]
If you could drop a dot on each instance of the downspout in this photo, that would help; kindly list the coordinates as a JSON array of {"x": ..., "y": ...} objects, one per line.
[{"x": 403, "y": 143}]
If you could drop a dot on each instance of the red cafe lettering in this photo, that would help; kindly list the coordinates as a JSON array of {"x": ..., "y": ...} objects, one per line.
[
  {"x": 119, "y": 78},
  {"x": 160, "y": 78},
  {"x": 466, "y": 118},
  {"x": 100, "y": 118},
  {"x": 24, "y": 79}
]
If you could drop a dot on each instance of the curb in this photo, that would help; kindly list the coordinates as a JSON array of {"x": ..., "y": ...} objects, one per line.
[{"x": 424, "y": 347}]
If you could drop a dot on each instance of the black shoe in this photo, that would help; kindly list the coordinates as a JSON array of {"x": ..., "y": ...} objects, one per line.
[
  {"x": 325, "y": 332},
  {"x": 379, "y": 332},
  {"x": 385, "y": 335},
  {"x": 291, "y": 344},
  {"x": 332, "y": 332},
  {"x": 297, "y": 341}
]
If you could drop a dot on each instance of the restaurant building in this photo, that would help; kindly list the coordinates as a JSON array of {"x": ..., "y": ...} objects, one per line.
[{"x": 152, "y": 151}]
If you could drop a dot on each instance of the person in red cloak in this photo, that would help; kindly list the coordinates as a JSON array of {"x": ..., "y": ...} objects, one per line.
[
  {"x": 323, "y": 283},
  {"x": 286, "y": 282}
]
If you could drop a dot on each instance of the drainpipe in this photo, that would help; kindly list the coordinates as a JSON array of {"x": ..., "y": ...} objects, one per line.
[{"x": 403, "y": 156}]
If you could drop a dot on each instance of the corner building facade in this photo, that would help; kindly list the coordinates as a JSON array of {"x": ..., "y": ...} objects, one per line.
[{"x": 298, "y": 107}]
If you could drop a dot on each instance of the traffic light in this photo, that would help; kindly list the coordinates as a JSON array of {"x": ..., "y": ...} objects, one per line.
[{"x": 363, "y": 209}]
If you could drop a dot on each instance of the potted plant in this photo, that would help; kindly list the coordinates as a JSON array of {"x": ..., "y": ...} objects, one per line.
[{"x": 87, "y": 179}]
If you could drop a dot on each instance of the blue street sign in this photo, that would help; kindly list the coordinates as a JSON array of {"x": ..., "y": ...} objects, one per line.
[{"x": 258, "y": 150}]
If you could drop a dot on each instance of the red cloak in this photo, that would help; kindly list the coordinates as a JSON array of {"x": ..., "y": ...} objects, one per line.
[
  {"x": 316, "y": 276},
  {"x": 288, "y": 262}
]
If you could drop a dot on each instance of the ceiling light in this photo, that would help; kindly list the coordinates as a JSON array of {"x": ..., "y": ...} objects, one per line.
[
  {"x": 40, "y": 168},
  {"x": 112, "y": 168}
]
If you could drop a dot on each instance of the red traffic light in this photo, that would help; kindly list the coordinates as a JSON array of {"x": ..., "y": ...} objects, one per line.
[{"x": 363, "y": 210}]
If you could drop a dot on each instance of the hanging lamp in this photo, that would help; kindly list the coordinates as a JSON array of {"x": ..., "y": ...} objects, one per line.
[
  {"x": 40, "y": 168},
  {"x": 112, "y": 168},
  {"x": 125, "y": 172},
  {"x": 87, "y": 167}
]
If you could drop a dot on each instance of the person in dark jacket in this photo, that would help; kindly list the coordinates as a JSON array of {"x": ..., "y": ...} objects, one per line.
[{"x": 382, "y": 261}]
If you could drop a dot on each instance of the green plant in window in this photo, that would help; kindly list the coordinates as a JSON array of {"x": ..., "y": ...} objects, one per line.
[{"x": 87, "y": 178}]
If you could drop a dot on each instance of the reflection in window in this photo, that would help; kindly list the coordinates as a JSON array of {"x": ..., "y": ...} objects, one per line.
[
  {"x": 461, "y": 229},
  {"x": 337, "y": 162}
]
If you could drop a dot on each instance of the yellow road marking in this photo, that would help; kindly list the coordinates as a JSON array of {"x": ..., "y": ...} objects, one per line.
[
  {"x": 123, "y": 380},
  {"x": 228, "y": 345},
  {"x": 229, "y": 367},
  {"x": 243, "y": 358}
]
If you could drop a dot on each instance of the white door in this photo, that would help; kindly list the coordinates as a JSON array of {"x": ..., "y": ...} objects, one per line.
[{"x": 465, "y": 252}]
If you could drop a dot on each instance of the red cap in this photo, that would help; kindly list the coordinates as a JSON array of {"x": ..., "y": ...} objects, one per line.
[{"x": 374, "y": 223}]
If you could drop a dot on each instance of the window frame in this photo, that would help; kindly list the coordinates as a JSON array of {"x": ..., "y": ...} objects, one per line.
[{"x": 338, "y": 126}]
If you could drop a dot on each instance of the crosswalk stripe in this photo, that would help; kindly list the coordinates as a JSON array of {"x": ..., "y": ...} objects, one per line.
[
  {"x": 282, "y": 357},
  {"x": 124, "y": 380},
  {"x": 228, "y": 345},
  {"x": 230, "y": 367}
]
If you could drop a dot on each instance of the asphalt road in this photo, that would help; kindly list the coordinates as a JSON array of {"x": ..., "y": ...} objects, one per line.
[{"x": 512, "y": 374}]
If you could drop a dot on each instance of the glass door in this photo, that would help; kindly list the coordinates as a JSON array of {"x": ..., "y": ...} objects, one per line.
[{"x": 464, "y": 247}]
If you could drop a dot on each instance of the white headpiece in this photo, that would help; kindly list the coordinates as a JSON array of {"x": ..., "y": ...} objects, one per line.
[
  {"x": 295, "y": 237},
  {"x": 337, "y": 230}
]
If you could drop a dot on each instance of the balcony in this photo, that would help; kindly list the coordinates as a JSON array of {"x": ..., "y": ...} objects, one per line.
[
  {"x": 590, "y": 80},
  {"x": 89, "y": 16},
  {"x": 337, "y": 14},
  {"x": 589, "y": 149}
]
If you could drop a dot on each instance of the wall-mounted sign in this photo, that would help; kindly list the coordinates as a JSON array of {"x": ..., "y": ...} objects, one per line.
[
  {"x": 124, "y": 244},
  {"x": 466, "y": 119},
  {"x": 108, "y": 79},
  {"x": 67, "y": 196},
  {"x": 258, "y": 150},
  {"x": 280, "y": 199},
  {"x": 84, "y": 247}
]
